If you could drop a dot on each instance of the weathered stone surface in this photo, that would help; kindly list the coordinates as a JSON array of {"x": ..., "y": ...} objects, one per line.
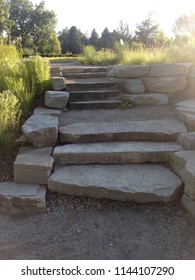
[
  {"x": 56, "y": 99},
  {"x": 150, "y": 130},
  {"x": 58, "y": 83},
  {"x": 165, "y": 84},
  {"x": 41, "y": 130},
  {"x": 186, "y": 104},
  {"x": 114, "y": 152},
  {"x": 46, "y": 111},
  {"x": 149, "y": 99},
  {"x": 135, "y": 183},
  {"x": 16, "y": 197},
  {"x": 95, "y": 104},
  {"x": 187, "y": 118},
  {"x": 191, "y": 84},
  {"x": 192, "y": 72},
  {"x": 187, "y": 140},
  {"x": 128, "y": 71},
  {"x": 166, "y": 70},
  {"x": 183, "y": 164},
  {"x": 131, "y": 85},
  {"x": 188, "y": 204},
  {"x": 33, "y": 166}
]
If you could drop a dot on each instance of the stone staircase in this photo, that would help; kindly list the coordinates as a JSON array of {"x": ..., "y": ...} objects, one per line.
[{"x": 126, "y": 155}]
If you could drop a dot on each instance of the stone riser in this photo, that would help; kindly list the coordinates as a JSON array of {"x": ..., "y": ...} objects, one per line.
[
  {"x": 94, "y": 105},
  {"x": 83, "y": 69},
  {"x": 90, "y": 86},
  {"x": 85, "y": 75},
  {"x": 93, "y": 95}
]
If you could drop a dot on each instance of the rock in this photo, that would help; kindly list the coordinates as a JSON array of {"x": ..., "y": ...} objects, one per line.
[
  {"x": 187, "y": 140},
  {"x": 135, "y": 183},
  {"x": 128, "y": 71},
  {"x": 192, "y": 72},
  {"x": 191, "y": 84},
  {"x": 56, "y": 99},
  {"x": 131, "y": 85},
  {"x": 16, "y": 197},
  {"x": 58, "y": 83},
  {"x": 149, "y": 130},
  {"x": 21, "y": 140},
  {"x": 167, "y": 70},
  {"x": 114, "y": 152},
  {"x": 46, "y": 111},
  {"x": 149, "y": 99},
  {"x": 33, "y": 166},
  {"x": 187, "y": 118},
  {"x": 186, "y": 104},
  {"x": 183, "y": 163},
  {"x": 188, "y": 204},
  {"x": 165, "y": 84},
  {"x": 41, "y": 130}
]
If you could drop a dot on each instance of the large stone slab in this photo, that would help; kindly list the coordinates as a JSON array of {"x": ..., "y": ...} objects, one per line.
[
  {"x": 149, "y": 99},
  {"x": 16, "y": 197},
  {"x": 135, "y": 183},
  {"x": 166, "y": 70},
  {"x": 183, "y": 164},
  {"x": 58, "y": 83},
  {"x": 150, "y": 130},
  {"x": 128, "y": 71},
  {"x": 56, "y": 99},
  {"x": 131, "y": 85},
  {"x": 114, "y": 152},
  {"x": 33, "y": 165},
  {"x": 165, "y": 84},
  {"x": 187, "y": 140},
  {"x": 41, "y": 130}
]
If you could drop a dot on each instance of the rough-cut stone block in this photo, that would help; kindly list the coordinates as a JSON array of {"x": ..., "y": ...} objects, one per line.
[
  {"x": 187, "y": 118},
  {"x": 114, "y": 152},
  {"x": 58, "y": 83},
  {"x": 131, "y": 85},
  {"x": 149, "y": 130},
  {"x": 186, "y": 104},
  {"x": 41, "y": 130},
  {"x": 166, "y": 70},
  {"x": 135, "y": 183},
  {"x": 128, "y": 71},
  {"x": 33, "y": 166},
  {"x": 165, "y": 84},
  {"x": 56, "y": 99},
  {"x": 188, "y": 204},
  {"x": 16, "y": 197},
  {"x": 183, "y": 164},
  {"x": 187, "y": 140},
  {"x": 149, "y": 99},
  {"x": 46, "y": 111}
]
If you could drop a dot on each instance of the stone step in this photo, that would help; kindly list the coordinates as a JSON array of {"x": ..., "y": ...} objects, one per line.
[
  {"x": 82, "y": 69},
  {"x": 16, "y": 198},
  {"x": 85, "y": 75},
  {"x": 114, "y": 153},
  {"x": 95, "y": 104},
  {"x": 187, "y": 140},
  {"x": 94, "y": 95},
  {"x": 149, "y": 130},
  {"x": 90, "y": 84},
  {"x": 128, "y": 182}
]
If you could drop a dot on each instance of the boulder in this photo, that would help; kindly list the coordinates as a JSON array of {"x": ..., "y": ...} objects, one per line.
[
  {"x": 58, "y": 83},
  {"x": 56, "y": 99},
  {"x": 33, "y": 166},
  {"x": 41, "y": 130},
  {"x": 149, "y": 99},
  {"x": 165, "y": 84},
  {"x": 16, "y": 197},
  {"x": 131, "y": 85},
  {"x": 128, "y": 71},
  {"x": 167, "y": 70}
]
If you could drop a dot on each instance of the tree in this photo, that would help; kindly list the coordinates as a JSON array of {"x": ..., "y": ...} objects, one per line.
[
  {"x": 75, "y": 45},
  {"x": 63, "y": 37},
  {"x": 94, "y": 39},
  {"x": 147, "y": 31},
  {"x": 124, "y": 32},
  {"x": 184, "y": 27},
  {"x": 106, "y": 39}
]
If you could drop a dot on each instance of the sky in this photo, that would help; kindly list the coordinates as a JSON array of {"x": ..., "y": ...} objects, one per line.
[{"x": 98, "y": 14}]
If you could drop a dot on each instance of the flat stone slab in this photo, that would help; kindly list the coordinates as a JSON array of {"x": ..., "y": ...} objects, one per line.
[
  {"x": 33, "y": 165},
  {"x": 149, "y": 99},
  {"x": 16, "y": 197},
  {"x": 186, "y": 104},
  {"x": 114, "y": 152},
  {"x": 150, "y": 130},
  {"x": 47, "y": 111},
  {"x": 56, "y": 99},
  {"x": 135, "y": 183},
  {"x": 187, "y": 140},
  {"x": 183, "y": 164},
  {"x": 166, "y": 70},
  {"x": 41, "y": 130},
  {"x": 128, "y": 71}
]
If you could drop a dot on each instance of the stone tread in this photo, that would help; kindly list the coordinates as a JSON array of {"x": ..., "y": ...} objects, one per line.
[
  {"x": 160, "y": 130},
  {"x": 135, "y": 182},
  {"x": 114, "y": 152}
]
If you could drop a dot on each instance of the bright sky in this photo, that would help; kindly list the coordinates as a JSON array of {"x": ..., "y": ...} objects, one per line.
[{"x": 98, "y": 14}]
